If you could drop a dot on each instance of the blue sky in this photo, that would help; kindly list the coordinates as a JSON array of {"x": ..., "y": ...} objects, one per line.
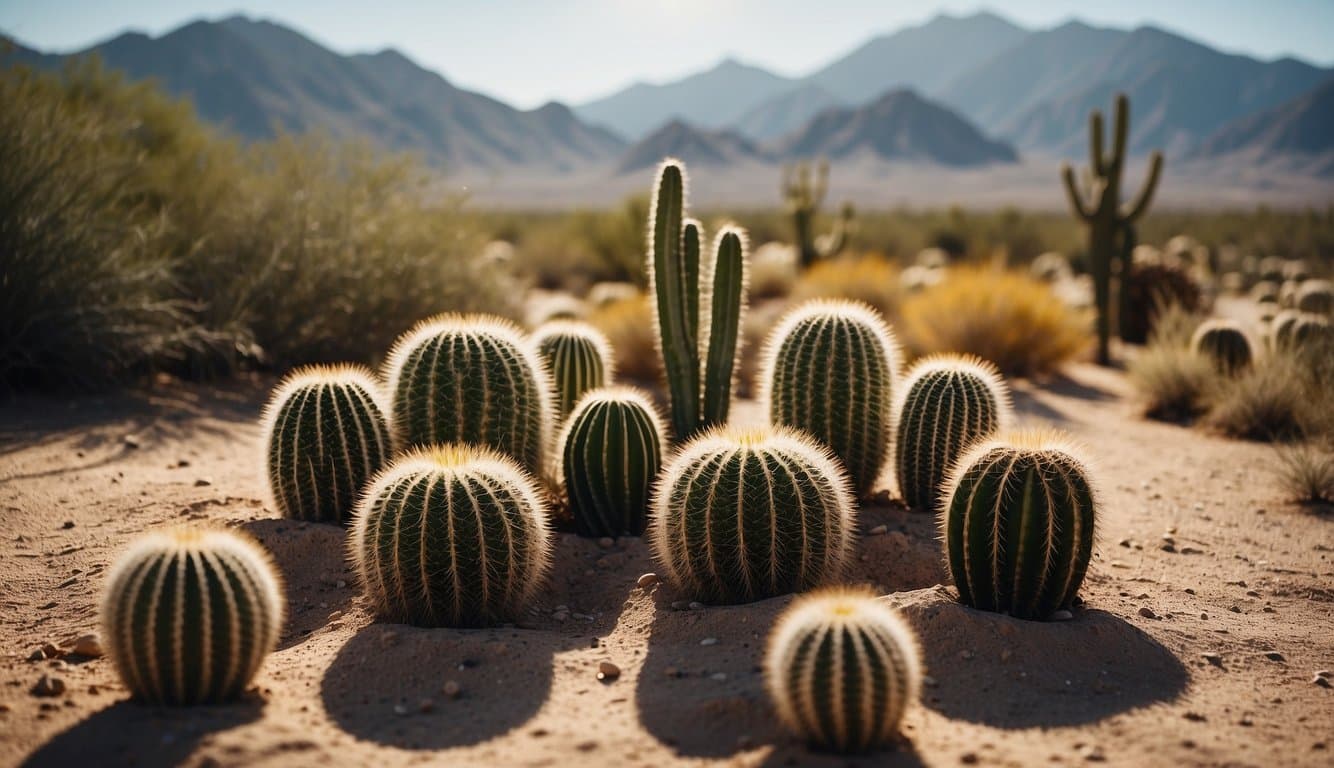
[{"x": 531, "y": 51}]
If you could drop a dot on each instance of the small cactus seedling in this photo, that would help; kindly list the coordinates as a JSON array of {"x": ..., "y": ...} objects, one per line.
[
  {"x": 451, "y": 536},
  {"x": 189, "y": 614},
  {"x": 829, "y": 369},
  {"x": 947, "y": 402},
  {"x": 471, "y": 379},
  {"x": 578, "y": 357},
  {"x": 1224, "y": 343},
  {"x": 325, "y": 435},
  {"x": 1315, "y": 297},
  {"x": 741, "y": 515},
  {"x": 842, "y": 668},
  {"x": 610, "y": 452},
  {"x": 1018, "y": 520}
]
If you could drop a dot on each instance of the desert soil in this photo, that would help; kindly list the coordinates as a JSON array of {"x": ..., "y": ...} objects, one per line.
[{"x": 1208, "y": 612}]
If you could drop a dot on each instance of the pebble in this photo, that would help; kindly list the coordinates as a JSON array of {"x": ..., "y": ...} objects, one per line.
[
  {"x": 647, "y": 580},
  {"x": 695, "y": 605},
  {"x": 1323, "y": 682},
  {"x": 968, "y": 758},
  {"x": 130, "y": 441},
  {"x": 1147, "y": 613},
  {"x": 48, "y": 686},
  {"x": 203, "y": 482},
  {"x": 341, "y": 583},
  {"x": 879, "y": 530},
  {"x": 1093, "y": 754},
  {"x": 1213, "y": 658},
  {"x": 722, "y": 676},
  {"x": 37, "y": 655},
  {"x": 400, "y": 709},
  {"x": 51, "y": 650},
  {"x": 1062, "y": 615},
  {"x": 606, "y": 542},
  {"x": 452, "y": 689},
  {"x": 709, "y": 641},
  {"x": 608, "y": 671},
  {"x": 680, "y": 605},
  {"x": 560, "y": 616},
  {"x": 88, "y": 645},
  {"x": 1275, "y": 656}
]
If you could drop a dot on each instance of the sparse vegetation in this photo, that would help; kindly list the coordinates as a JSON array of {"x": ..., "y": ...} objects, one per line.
[{"x": 1306, "y": 472}]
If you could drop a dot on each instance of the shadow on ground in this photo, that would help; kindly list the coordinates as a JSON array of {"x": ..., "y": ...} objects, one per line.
[{"x": 313, "y": 560}]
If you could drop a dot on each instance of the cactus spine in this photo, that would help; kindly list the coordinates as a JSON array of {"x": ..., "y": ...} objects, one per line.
[
  {"x": 470, "y": 379},
  {"x": 804, "y": 193},
  {"x": 947, "y": 402},
  {"x": 1018, "y": 521},
  {"x": 1110, "y": 225},
  {"x": 610, "y": 452},
  {"x": 189, "y": 614},
  {"x": 578, "y": 357},
  {"x": 699, "y": 306},
  {"x": 325, "y": 435},
  {"x": 829, "y": 369},
  {"x": 841, "y": 669},
  {"x": 1224, "y": 343},
  {"x": 452, "y": 536},
  {"x": 741, "y": 515}
]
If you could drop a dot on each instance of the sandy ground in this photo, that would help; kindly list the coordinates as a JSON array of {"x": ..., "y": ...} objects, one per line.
[{"x": 1200, "y": 651}]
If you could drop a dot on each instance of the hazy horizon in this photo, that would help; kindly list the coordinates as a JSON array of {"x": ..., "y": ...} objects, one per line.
[{"x": 788, "y": 37}]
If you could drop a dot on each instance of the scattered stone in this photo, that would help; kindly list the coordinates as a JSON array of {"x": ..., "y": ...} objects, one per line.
[
  {"x": 1245, "y": 722},
  {"x": 718, "y": 677},
  {"x": 680, "y": 605},
  {"x": 1213, "y": 658},
  {"x": 203, "y": 482},
  {"x": 37, "y": 655},
  {"x": 695, "y": 605},
  {"x": 68, "y": 524},
  {"x": 341, "y": 584},
  {"x": 608, "y": 672},
  {"x": 451, "y": 689},
  {"x": 1204, "y": 616},
  {"x": 51, "y": 650},
  {"x": 647, "y": 580},
  {"x": 709, "y": 641},
  {"x": 1323, "y": 682},
  {"x": 182, "y": 463},
  {"x": 606, "y": 542},
  {"x": 1191, "y": 551},
  {"x": 1062, "y": 615},
  {"x": 130, "y": 441},
  {"x": 1235, "y": 609},
  {"x": 586, "y": 746},
  {"x": 1147, "y": 613},
  {"x": 400, "y": 710},
  {"x": 1275, "y": 656},
  {"x": 1195, "y": 717},
  {"x": 87, "y": 645},
  {"x": 48, "y": 686},
  {"x": 879, "y": 530},
  {"x": 561, "y": 616},
  {"x": 1324, "y": 673},
  {"x": 1093, "y": 753}
]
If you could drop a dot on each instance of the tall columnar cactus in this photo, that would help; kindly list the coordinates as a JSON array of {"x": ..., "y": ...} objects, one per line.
[
  {"x": 741, "y": 515},
  {"x": 325, "y": 435},
  {"x": 946, "y": 403},
  {"x": 1110, "y": 225},
  {"x": 1224, "y": 343},
  {"x": 804, "y": 193},
  {"x": 471, "y": 379},
  {"x": 830, "y": 369},
  {"x": 610, "y": 452},
  {"x": 578, "y": 357},
  {"x": 841, "y": 669},
  {"x": 451, "y": 536},
  {"x": 189, "y": 614},
  {"x": 1018, "y": 522},
  {"x": 700, "y": 299}
]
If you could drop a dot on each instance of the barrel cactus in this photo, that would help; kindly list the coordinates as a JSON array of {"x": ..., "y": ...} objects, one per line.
[
  {"x": 1018, "y": 522},
  {"x": 1224, "y": 343},
  {"x": 1315, "y": 297},
  {"x": 470, "y": 379},
  {"x": 189, "y": 614},
  {"x": 829, "y": 370},
  {"x": 946, "y": 403},
  {"x": 841, "y": 669},
  {"x": 578, "y": 358},
  {"x": 325, "y": 435},
  {"x": 1310, "y": 331},
  {"x": 1281, "y": 327},
  {"x": 741, "y": 515},
  {"x": 453, "y": 536},
  {"x": 610, "y": 452}
]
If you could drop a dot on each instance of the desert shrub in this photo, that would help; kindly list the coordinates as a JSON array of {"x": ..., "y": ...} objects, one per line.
[
  {"x": 1010, "y": 319},
  {"x": 1173, "y": 381},
  {"x": 1277, "y": 399},
  {"x": 773, "y": 272},
  {"x": 1150, "y": 288},
  {"x": 872, "y": 280},
  {"x": 628, "y": 325},
  {"x": 1306, "y": 472}
]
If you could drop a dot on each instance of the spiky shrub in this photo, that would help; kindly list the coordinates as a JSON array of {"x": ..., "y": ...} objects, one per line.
[
  {"x": 804, "y": 193},
  {"x": 578, "y": 358},
  {"x": 741, "y": 515},
  {"x": 946, "y": 403},
  {"x": 189, "y": 614},
  {"x": 1315, "y": 297},
  {"x": 470, "y": 379},
  {"x": 452, "y": 536},
  {"x": 1018, "y": 518},
  {"x": 325, "y": 435},
  {"x": 842, "y": 667},
  {"x": 829, "y": 370},
  {"x": 610, "y": 452},
  {"x": 1224, "y": 343}
]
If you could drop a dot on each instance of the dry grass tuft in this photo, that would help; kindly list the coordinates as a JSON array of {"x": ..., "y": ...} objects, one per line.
[
  {"x": 628, "y": 325},
  {"x": 1306, "y": 472},
  {"x": 872, "y": 280}
]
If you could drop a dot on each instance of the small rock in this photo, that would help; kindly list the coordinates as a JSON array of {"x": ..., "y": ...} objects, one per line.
[
  {"x": 718, "y": 677},
  {"x": 203, "y": 482},
  {"x": 1062, "y": 615},
  {"x": 968, "y": 758},
  {"x": 51, "y": 686},
  {"x": 130, "y": 441},
  {"x": 879, "y": 530},
  {"x": 1275, "y": 656},
  {"x": 1213, "y": 658},
  {"x": 1204, "y": 616},
  {"x": 1191, "y": 551},
  {"x": 51, "y": 650},
  {"x": 647, "y": 580},
  {"x": 451, "y": 689},
  {"x": 341, "y": 583},
  {"x": 560, "y": 616},
  {"x": 87, "y": 645},
  {"x": 680, "y": 605},
  {"x": 1093, "y": 753},
  {"x": 695, "y": 605},
  {"x": 709, "y": 641},
  {"x": 606, "y": 542},
  {"x": 1324, "y": 673},
  {"x": 37, "y": 655},
  {"x": 183, "y": 463},
  {"x": 608, "y": 671},
  {"x": 68, "y": 524},
  {"x": 400, "y": 710},
  {"x": 1195, "y": 717},
  {"x": 1147, "y": 613},
  {"x": 1323, "y": 682}
]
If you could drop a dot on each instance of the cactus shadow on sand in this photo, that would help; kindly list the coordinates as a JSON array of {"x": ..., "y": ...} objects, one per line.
[
  {"x": 128, "y": 734},
  {"x": 312, "y": 560}
]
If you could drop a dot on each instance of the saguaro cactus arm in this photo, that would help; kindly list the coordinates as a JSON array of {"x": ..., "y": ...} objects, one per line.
[{"x": 1145, "y": 196}]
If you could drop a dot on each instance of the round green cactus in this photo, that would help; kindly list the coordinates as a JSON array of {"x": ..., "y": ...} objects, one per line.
[
  {"x": 325, "y": 436},
  {"x": 471, "y": 379},
  {"x": 1281, "y": 327},
  {"x": 1311, "y": 330},
  {"x": 1315, "y": 297},
  {"x": 741, "y": 515},
  {"x": 452, "y": 536},
  {"x": 610, "y": 452},
  {"x": 1018, "y": 522},
  {"x": 841, "y": 669},
  {"x": 578, "y": 357},
  {"x": 189, "y": 615},
  {"x": 829, "y": 370},
  {"x": 1224, "y": 343},
  {"x": 946, "y": 403}
]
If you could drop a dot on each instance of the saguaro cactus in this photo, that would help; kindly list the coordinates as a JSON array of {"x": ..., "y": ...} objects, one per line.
[
  {"x": 610, "y": 452},
  {"x": 804, "y": 193},
  {"x": 1018, "y": 523},
  {"x": 829, "y": 369},
  {"x": 699, "y": 306},
  {"x": 471, "y": 379},
  {"x": 947, "y": 402},
  {"x": 841, "y": 669},
  {"x": 1224, "y": 343},
  {"x": 326, "y": 434},
  {"x": 741, "y": 515},
  {"x": 1110, "y": 225},
  {"x": 452, "y": 536},
  {"x": 189, "y": 614},
  {"x": 578, "y": 357}
]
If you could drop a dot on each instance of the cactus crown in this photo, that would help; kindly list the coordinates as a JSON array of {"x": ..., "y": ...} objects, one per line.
[
  {"x": 953, "y": 365},
  {"x": 578, "y": 357},
  {"x": 1224, "y": 342},
  {"x": 841, "y": 668},
  {"x": 189, "y": 614}
]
